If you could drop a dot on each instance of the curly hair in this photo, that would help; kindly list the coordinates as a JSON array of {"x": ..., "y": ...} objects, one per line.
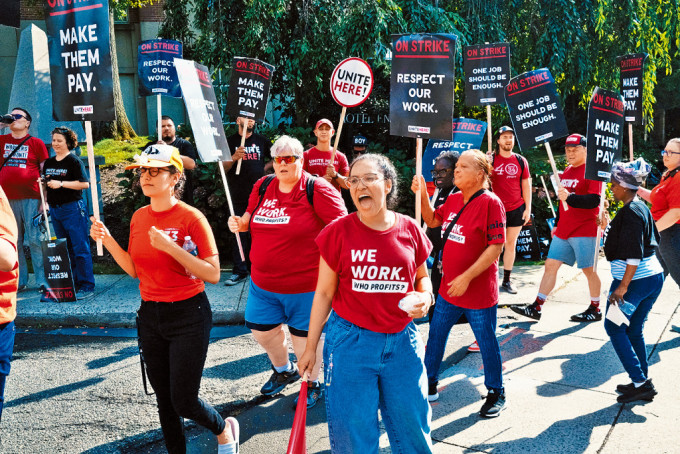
[
  {"x": 388, "y": 172},
  {"x": 69, "y": 135},
  {"x": 449, "y": 155}
]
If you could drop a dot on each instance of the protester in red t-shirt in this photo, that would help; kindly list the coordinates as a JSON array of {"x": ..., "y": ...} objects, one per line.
[
  {"x": 511, "y": 182},
  {"x": 174, "y": 318},
  {"x": 469, "y": 285},
  {"x": 283, "y": 223},
  {"x": 373, "y": 354},
  {"x": 575, "y": 236},
  {"x": 318, "y": 158}
]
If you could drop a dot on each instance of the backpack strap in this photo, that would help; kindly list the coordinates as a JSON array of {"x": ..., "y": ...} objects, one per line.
[
  {"x": 520, "y": 161},
  {"x": 262, "y": 189},
  {"x": 310, "y": 189},
  {"x": 6, "y": 160}
]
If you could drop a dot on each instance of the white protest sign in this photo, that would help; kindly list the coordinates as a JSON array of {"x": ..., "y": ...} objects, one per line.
[{"x": 351, "y": 82}]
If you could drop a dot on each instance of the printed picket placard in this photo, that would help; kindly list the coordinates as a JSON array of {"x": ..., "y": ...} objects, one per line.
[
  {"x": 156, "y": 67},
  {"x": 487, "y": 72},
  {"x": 605, "y": 133}
]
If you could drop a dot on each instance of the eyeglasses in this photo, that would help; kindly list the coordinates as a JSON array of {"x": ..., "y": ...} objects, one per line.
[
  {"x": 153, "y": 171},
  {"x": 668, "y": 152},
  {"x": 440, "y": 173},
  {"x": 368, "y": 179},
  {"x": 287, "y": 159}
]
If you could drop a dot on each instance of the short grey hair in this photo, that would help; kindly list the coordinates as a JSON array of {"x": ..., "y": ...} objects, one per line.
[{"x": 287, "y": 142}]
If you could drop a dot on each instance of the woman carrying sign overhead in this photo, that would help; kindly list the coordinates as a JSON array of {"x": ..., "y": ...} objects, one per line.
[
  {"x": 473, "y": 222},
  {"x": 372, "y": 263},
  {"x": 285, "y": 213},
  {"x": 172, "y": 251}
]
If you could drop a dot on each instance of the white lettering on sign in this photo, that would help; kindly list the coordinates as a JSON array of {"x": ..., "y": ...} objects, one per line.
[{"x": 351, "y": 82}]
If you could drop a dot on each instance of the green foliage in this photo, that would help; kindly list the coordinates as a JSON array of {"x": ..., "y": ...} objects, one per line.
[{"x": 116, "y": 151}]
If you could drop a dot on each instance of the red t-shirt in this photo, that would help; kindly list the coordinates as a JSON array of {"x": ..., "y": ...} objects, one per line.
[
  {"x": 9, "y": 280},
  {"x": 19, "y": 177},
  {"x": 665, "y": 195},
  {"x": 481, "y": 224},
  {"x": 375, "y": 269},
  {"x": 578, "y": 222},
  {"x": 316, "y": 162},
  {"x": 161, "y": 277},
  {"x": 284, "y": 257},
  {"x": 506, "y": 180}
]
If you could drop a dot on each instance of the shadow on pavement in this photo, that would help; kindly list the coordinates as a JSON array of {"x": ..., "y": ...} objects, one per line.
[
  {"x": 239, "y": 368},
  {"x": 49, "y": 393},
  {"x": 120, "y": 355}
]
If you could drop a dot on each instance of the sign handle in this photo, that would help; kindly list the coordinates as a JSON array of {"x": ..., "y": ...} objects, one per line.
[
  {"x": 599, "y": 228},
  {"x": 93, "y": 180},
  {"x": 42, "y": 198},
  {"x": 243, "y": 144},
  {"x": 419, "y": 172},
  {"x": 554, "y": 169},
  {"x": 337, "y": 134},
  {"x": 231, "y": 208},
  {"x": 630, "y": 141},
  {"x": 488, "y": 127},
  {"x": 547, "y": 194},
  {"x": 160, "y": 115},
  {"x": 434, "y": 197}
]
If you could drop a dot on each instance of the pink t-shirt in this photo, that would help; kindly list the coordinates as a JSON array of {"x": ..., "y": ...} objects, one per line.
[
  {"x": 316, "y": 162},
  {"x": 506, "y": 180},
  {"x": 284, "y": 256},
  {"x": 375, "y": 269},
  {"x": 578, "y": 222},
  {"x": 481, "y": 224},
  {"x": 19, "y": 177}
]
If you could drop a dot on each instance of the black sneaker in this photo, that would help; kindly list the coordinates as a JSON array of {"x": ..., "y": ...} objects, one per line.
[
  {"x": 314, "y": 393},
  {"x": 509, "y": 287},
  {"x": 495, "y": 403},
  {"x": 644, "y": 392},
  {"x": 279, "y": 380},
  {"x": 235, "y": 279},
  {"x": 592, "y": 314},
  {"x": 432, "y": 393},
  {"x": 624, "y": 389},
  {"x": 528, "y": 311}
]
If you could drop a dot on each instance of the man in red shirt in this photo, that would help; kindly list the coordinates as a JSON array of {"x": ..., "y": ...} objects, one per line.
[
  {"x": 317, "y": 160},
  {"x": 575, "y": 235},
  {"x": 21, "y": 158}
]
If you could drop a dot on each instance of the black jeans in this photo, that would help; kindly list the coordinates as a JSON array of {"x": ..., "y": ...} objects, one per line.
[{"x": 174, "y": 338}]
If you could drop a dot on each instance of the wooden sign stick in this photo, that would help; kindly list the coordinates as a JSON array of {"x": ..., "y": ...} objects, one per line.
[
  {"x": 243, "y": 144},
  {"x": 337, "y": 134},
  {"x": 419, "y": 172},
  {"x": 160, "y": 119},
  {"x": 630, "y": 141},
  {"x": 44, "y": 211},
  {"x": 554, "y": 169},
  {"x": 599, "y": 228},
  {"x": 93, "y": 180},
  {"x": 231, "y": 208},
  {"x": 547, "y": 194},
  {"x": 488, "y": 127}
]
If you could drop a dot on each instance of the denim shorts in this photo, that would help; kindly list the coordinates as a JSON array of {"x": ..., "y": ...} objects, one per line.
[
  {"x": 267, "y": 310},
  {"x": 579, "y": 250}
]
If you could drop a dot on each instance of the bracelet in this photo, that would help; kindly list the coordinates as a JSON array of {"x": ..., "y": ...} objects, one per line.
[{"x": 61, "y": 184}]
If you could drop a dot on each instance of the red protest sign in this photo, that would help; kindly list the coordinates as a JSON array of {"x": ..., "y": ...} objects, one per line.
[{"x": 351, "y": 82}]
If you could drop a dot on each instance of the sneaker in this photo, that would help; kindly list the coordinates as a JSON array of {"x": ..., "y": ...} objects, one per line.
[
  {"x": 21, "y": 288},
  {"x": 495, "y": 403},
  {"x": 592, "y": 314},
  {"x": 84, "y": 294},
  {"x": 644, "y": 392},
  {"x": 474, "y": 347},
  {"x": 279, "y": 380},
  {"x": 232, "y": 423},
  {"x": 42, "y": 289},
  {"x": 235, "y": 279},
  {"x": 314, "y": 393},
  {"x": 625, "y": 389},
  {"x": 509, "y": 287},
  {"x": 432, "y": 393},
  {"x": 528, "y": 310}
]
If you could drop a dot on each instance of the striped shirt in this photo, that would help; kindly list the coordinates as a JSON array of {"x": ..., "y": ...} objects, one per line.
[{"x": 649, "y": 266}]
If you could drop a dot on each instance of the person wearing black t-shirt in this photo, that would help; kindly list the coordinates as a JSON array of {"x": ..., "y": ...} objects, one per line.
[
  {"x": 253, "y": 167},
  {"x": 187, "y": 153},
  {"x": 65, "y": 178}
]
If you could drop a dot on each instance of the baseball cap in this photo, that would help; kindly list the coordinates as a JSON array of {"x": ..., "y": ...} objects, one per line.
[
  {"x": 575, "y": 140},
  {"x": 324, "y": 121},
  {"x": 360, "y": 141},
  {"x": 503, "y": 129},
  {"x": 158, "y": 156}
]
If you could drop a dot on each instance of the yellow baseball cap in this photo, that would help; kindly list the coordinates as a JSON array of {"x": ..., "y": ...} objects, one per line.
[{"x": 157, "y": 155}]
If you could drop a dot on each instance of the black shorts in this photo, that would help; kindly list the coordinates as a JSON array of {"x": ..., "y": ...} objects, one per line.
[{"x": 514, "y": 218}]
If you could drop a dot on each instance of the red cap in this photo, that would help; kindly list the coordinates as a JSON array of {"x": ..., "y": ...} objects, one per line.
[
  {"x": 575, "y": 140},
  {"x": 324, "y": 121}
]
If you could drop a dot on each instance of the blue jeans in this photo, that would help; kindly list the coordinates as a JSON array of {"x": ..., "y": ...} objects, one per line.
[
  {"x": 366, "y": 371},
  {"x": 70, "y": 222},
  {"x": 24, "y": 210},
  {"x": 483, "y": 324},
  {"x": 6, "y": 347},
  {"x": 628, "y": 341},
  {"x": 669, "y": 252}
]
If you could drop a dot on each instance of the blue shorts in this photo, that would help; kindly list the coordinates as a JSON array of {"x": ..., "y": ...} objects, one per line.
[
  {"x": 579, "y": 250},
  {"x": 267, "y": 310}
]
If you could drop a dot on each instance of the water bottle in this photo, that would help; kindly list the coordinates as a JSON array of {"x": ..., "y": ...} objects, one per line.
[
  {"x": 407, "y": 303},
  {"x": 192, "y": 249}
]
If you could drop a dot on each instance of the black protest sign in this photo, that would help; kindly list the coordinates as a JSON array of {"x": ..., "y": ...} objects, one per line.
[
  {"x": 204, "y": 113},
  {"x": 467, "y": 134},
  {"x": 249, "y": 88},
  {"x": 421, "y": 85},
  {"x": 58, "y": 271},
  {"x": 487, "y": 72},
  {"x": 80, "y": 60},
  {"x": 156, "y": 67},
  {"x": 605, "y": 133},
  {"x": 11, "y": 12},
  {"x": 528, "y": 247},
  {"x": 534, "y": 108},
  {"x": 632, "y": 67}
]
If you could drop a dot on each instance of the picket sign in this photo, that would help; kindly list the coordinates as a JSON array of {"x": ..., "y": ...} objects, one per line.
[
  {"x": 93, "y": 180},
  {"x": 547, "y": 194},
  {"x": 44, "y": 210},
  {"x": 554, "y": 169}
]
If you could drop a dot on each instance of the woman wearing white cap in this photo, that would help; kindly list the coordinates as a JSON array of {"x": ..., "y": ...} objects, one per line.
[{"x": 174, "y": 318}]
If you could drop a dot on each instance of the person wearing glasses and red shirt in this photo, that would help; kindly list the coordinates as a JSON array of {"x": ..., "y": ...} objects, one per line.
[
  {"x": 285, "y": 213},
  {"x": 174, "y": 318}
]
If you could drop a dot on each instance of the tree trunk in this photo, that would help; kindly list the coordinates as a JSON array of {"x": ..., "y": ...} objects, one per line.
[{"x": 120, "y": 128}]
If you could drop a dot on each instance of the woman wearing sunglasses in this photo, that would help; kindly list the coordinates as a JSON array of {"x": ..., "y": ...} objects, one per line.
[
  {"x": 285, "y": 214},
  {"x": 65, "y": 178},
  {"x": 372, "y": 263},
  {"x": 665, "y": 200},
  {"x": 174, "y": 318}
]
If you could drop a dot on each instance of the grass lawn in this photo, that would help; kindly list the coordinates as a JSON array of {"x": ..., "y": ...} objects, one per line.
[{"x": 115, "y": 151}]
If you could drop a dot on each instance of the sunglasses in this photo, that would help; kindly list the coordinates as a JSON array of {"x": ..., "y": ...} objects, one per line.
[
  {"x": 287, "y": 159},
  {"x": 668, "y": 152},
  {"x": 440, "y": 173},
  {"x": 368, "y": 180},
  {"x": 18, "y": 116},
  {"x": 153, "y": 171}
]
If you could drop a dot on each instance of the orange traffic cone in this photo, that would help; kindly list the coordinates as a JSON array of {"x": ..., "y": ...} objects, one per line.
[{"x": 298, "y": 441}]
